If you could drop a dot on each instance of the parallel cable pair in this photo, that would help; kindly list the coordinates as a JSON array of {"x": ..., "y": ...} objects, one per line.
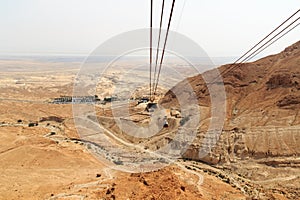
[
  {"x": 153, "y": 86},
  {"x": 246, "y": 56}
]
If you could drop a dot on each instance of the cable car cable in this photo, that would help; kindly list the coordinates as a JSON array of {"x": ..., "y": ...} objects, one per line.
[
  {"x": 158, "y": 42},
  {"x": 165, "y": 43}
]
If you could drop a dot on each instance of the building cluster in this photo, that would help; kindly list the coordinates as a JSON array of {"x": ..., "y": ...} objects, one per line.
[
  {"x": 142, "y": 100},
  {"x": 75, "y": 99},
  {"x": 82, "y": 99},
  {"x": 110, "y": 99}
]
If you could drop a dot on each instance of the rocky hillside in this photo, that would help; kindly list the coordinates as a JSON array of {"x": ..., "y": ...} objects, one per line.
[{"x": 263, "y": 104}]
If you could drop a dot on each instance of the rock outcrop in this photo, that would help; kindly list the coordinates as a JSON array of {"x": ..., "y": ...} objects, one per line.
[{"x": 262, "y": 101}]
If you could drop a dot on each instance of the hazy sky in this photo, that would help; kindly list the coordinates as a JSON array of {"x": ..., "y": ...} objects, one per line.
[{"x": 221, "y": 27}]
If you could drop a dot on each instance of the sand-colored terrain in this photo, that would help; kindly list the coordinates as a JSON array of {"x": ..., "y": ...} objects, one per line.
[
  {"x": 48, "y": 161},
  {"x": 257, "y": 156},
  {"x": 260, "y": 138}
]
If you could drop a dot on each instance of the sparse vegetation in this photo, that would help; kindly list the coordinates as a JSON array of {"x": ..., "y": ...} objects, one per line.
[
  {"x": 118, "y": 162},
  {"x": 32, "y": 124}
]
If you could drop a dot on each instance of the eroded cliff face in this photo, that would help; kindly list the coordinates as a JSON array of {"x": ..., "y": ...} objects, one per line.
[{"x": 262, "y": 110}]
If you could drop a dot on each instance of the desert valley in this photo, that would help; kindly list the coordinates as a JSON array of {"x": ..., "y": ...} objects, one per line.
[{"x": 42, "y": 156}]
